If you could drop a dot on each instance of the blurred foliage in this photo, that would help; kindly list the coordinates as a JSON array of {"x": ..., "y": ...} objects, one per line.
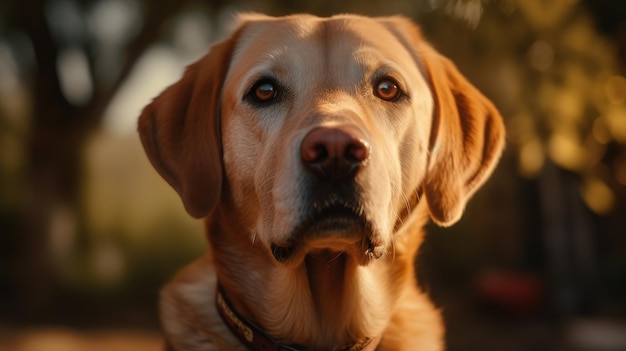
[
  {"x": 559, "y": 82},
  {"x": 578, "y": 112}
]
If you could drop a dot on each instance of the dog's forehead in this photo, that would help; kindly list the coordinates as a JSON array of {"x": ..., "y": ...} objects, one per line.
[
  {"x": 308, "y": 41},
  {"x": 267, "y": 30}
]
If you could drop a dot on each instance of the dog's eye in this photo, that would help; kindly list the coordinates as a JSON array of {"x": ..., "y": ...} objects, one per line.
[
  {"x": 387, "y": 89},
  {"x": 263, "y": 91}
]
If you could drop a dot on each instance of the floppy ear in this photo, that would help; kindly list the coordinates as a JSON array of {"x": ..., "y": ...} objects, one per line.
[
  {"x": 467, "y": 138},
  {"x": 467, "y": 132},
  {"x": 180, "y": 133}
]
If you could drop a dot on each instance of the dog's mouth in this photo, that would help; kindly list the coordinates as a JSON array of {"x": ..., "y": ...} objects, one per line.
[{"x": 335, "y": 226}]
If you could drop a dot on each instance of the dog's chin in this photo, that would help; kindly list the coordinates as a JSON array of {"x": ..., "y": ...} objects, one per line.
[{"x": 339, "y": 233}]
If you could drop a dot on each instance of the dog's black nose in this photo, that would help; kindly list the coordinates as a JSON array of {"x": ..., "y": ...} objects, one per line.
[{"x": 334, "y": 153}]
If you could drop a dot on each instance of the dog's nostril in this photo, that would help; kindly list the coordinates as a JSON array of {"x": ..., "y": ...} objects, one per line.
[
  {"x": 316, "y": 153},
  {"x": 334, "y": 153},
  {"x": 358, "y": 152}
]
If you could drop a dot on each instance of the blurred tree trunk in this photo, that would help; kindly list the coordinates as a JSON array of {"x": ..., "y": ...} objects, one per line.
[
  {"x": 53, "y": 176},
  {"x": 52, "y": 170}
]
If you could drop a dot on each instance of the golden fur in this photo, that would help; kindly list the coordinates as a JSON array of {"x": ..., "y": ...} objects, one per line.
[{"x": 238, "y": 163}]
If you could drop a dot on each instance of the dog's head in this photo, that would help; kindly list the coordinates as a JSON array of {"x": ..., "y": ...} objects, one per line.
[{"x": 319, "y": 132}]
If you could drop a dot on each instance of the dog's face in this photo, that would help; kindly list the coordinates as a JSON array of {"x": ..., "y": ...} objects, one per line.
[
  {"x": 325, "y": 133},
  {"x": 320, "y": 133}
]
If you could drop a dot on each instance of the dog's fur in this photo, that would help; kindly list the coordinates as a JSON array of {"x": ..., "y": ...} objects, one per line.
[{"x": 305, "y": 275}]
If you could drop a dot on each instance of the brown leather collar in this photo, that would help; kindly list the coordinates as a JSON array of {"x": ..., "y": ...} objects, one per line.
[{"x": 256, "y": 339}]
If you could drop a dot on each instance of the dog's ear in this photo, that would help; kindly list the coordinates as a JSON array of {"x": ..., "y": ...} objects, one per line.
[
  {"x": 180, "y": 133},
  {"x": 467, "y": 133},
  {"x": 467, "y": 138}
]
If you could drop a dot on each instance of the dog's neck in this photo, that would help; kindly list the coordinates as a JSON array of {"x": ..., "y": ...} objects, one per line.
[{"x": 328, "y": 301}]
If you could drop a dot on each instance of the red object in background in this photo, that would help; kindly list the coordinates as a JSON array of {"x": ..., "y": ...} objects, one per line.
[{"x": 519, "y": 294}]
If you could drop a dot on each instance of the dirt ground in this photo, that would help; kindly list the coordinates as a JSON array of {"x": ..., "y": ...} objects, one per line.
[{"x": 58, "y": 339}]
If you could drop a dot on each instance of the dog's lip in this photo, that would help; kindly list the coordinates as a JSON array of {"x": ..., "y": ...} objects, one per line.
[
  {"x": 363, "y": 253},
  {"x": 339, "y": 227}
]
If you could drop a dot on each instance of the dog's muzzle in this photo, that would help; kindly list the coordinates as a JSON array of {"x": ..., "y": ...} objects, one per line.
[{"x": 334, "y": 215}]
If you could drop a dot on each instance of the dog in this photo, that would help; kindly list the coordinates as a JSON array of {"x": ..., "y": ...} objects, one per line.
[{"x": 316, "y": 149}]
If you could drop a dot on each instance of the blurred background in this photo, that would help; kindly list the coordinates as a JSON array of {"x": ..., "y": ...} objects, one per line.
[{"x": 88, "y": 230}]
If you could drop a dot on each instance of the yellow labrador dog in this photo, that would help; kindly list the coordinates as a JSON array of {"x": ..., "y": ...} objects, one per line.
[{"x": 316, "y": 149}]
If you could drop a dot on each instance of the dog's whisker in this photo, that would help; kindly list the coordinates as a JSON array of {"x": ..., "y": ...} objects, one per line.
[
  {"x": 399, "y": 218},
  {"x": 393, "y": 250},
  {"x": 336, "y": 257},
  {"x": 407, "y": 202},
  {"x": 403, "y": 196}
]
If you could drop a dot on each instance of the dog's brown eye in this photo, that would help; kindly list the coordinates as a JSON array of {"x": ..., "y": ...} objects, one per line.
[
  {"x": 387, "y": 89},
  {"x": 264, "y": 91}
]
